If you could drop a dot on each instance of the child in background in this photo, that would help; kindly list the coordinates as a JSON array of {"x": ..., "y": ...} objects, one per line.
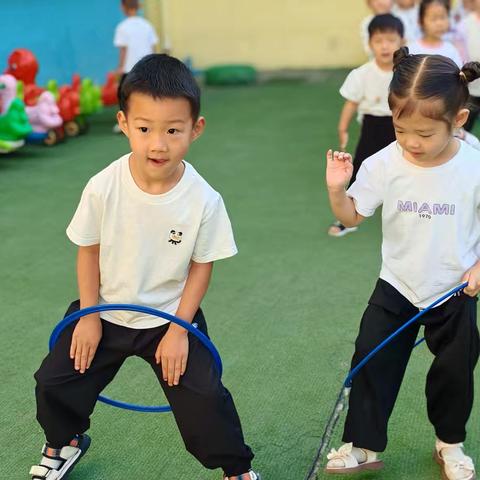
[
  {"x": 148, "y": 229},
  {"x": 469, "y": 43},
  {"x": 378, "y": 7},
  {"x": 434, "y": 22},
  {"x": 407, "y": 12},
  {"x": 135, "y": 37},
  {"x": 366, "y": 91},
  {"x": 427, "y": 182}
]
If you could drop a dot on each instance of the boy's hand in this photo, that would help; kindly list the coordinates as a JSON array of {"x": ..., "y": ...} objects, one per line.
[
  {"x": 472, "y": 276},
  {"x": 85, "y": 340},
  {"x": 343, "y": 139},
  {"x": 339, "y": 170},
  {"x": 172, "y": 353}
]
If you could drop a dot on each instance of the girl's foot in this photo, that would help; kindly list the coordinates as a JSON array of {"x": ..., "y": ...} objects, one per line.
[
  {"x": 349, "y": 459},
  {"x": 455, "y": 464}
]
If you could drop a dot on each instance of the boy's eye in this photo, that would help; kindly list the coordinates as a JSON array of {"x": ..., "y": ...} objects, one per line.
[
  {"x": 172, "y": 131},
  {"x": 143, "y": 129},
  {"x": 425, "y": 136}
]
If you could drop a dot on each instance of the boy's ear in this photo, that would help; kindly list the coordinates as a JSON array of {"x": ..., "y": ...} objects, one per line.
[
  {"x": 122, "y": 122},
  {"x": 461, "y": 117},
  {"x": 198, "y": 128}
]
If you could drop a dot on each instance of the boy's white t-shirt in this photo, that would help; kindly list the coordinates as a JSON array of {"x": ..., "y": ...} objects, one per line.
[
  {"x": 430, "y": 219},
  {"x": 138, "y": 36},
  {"x": 368, "y": 86},
  {"x": 446, "y": 49},
  {"x": 148, "y": 241}
]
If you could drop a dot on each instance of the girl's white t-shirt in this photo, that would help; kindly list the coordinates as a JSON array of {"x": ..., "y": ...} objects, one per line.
[
  {"x": 446, "y": 49},
  {"x": 430, "y": 219},
  {"x": 368, "y": 86},
  {"x": 148, "y": 241}
]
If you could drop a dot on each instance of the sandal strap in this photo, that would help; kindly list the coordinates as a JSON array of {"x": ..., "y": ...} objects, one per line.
[{"x": 344, "y": 453}]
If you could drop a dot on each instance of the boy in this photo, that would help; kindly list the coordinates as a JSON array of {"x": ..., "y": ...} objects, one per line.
[
  {"x": 124, "y": 226},
  {"x": 135, "y": 37},
  {"x": 378, "y": 7},
  {"x": 366, "y": 90}
]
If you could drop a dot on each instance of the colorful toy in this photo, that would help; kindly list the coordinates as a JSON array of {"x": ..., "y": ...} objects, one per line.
[
  {"x": 109, "y": 90},
  {"x": 45, "y": 120},
  {"x": 14, "y": 125}
]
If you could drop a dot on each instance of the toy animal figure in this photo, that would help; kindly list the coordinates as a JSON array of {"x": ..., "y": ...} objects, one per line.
[
  {"x": 14, "y": 125},
  {"x": 45, "y": 120}
]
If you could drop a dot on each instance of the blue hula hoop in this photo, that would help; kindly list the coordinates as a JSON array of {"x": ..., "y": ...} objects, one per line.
[
  {"x": 348, "y": 381},
  {"x": 141, "y": 309}
]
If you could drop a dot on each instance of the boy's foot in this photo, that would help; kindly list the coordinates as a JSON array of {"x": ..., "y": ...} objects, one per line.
[
  {"x": 250, "y": 475},
  {"x": 455, "y": 464},
  {"x": 349, "y": 459},
  {"x": 337, "y": 229},
  {"x": 58, "y": 463}
]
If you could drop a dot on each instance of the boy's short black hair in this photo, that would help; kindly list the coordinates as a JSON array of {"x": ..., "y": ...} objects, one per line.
[
  {"x": 131, "y": 4},
  {"x": 161, "y": 76},
  {"x": 385, "y": 23}
]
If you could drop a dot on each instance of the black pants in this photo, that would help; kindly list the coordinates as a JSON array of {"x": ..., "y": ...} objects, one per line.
[
  {"x": 202, "y": 406},
  {"x": 452, "y": 336},
  {"x": 376, "y": 133},
  {"x": 474, "y": 107}
]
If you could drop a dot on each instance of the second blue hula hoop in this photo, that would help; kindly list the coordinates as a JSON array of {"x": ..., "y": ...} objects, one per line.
[
  {"x": 357, "y": 368},
  {"x": 141, "y": 309}
]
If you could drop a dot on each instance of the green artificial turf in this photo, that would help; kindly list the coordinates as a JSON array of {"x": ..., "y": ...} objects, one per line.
[{"x": 284, "y": 313}]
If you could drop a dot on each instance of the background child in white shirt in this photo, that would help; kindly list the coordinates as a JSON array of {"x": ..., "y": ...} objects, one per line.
[
  {"x": 366, "y": 91},
  {"x": 435, "y": 21},
  {"x": 427, "y": 183}
]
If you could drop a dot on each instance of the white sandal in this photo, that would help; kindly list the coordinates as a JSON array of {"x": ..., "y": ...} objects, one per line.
[
  {"x": 455, "y": 464},
  {"x": 348, "y": 462}
]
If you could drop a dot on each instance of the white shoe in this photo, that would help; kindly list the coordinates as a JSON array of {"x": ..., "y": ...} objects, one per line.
[{"x": 455, "y": 464}]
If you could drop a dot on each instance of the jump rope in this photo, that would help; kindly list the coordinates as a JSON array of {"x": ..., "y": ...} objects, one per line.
[{"x": 342, "y": 399}]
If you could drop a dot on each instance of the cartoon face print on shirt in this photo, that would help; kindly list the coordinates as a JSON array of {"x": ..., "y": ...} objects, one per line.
[{"x": 175, "y": 237}]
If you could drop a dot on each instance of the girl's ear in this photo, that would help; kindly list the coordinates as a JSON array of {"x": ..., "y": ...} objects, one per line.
[{"x": 461, "y": 118}]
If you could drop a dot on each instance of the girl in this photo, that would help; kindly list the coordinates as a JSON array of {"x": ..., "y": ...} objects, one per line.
[
  {"x": 434, "y": 22},
  {"x": 428, "y": 182}
]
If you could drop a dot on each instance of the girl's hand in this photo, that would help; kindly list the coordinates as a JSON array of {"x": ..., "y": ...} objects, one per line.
[
  {"x": 472, "y": 276},
  {"x": 172, "y": 353},
  {"x": 339, "y": 170},
  {"x": 85, "y": 340}
]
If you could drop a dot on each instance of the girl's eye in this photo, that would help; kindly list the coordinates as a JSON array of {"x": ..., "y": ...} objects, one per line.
[
  {"x": 425, "y": 136},
  {"x": 143, "y": 129}
]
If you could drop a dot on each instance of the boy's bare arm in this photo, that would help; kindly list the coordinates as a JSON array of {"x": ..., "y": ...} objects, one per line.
[
  {"x": 88, "y": 331},
  {"x": 121, "y": 60},
  {"x": 348, "y": 111},
  {"x": 172, "y": 351},
  {"x": 339, "y": 172}
]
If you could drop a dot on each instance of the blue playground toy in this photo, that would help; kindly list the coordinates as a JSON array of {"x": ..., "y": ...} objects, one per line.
[{"x": 150, "y": 311}]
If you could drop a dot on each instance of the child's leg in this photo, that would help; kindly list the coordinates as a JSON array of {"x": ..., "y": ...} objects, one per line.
[
  {"x": 204, "y": 409},
  {"x": 65, "y": 397},
  {"x": 452, "y": 336},
  {"x": 375, "y": 387}
]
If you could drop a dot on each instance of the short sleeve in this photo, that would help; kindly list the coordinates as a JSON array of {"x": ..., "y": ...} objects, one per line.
[
  {"x": 120, "y": 37},
  {"x": 215, "y": 237},
  {"x": 368, "y": 189},
  {"x": 352, "y": 88},
  {"x": 84, "y": 228},
  {"x": 455, "y": 56}
]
